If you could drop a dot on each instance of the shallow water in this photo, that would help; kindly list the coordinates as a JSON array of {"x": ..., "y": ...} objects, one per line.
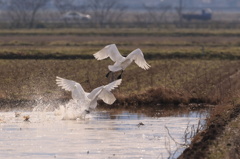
[{"x": 100, "y": 135}]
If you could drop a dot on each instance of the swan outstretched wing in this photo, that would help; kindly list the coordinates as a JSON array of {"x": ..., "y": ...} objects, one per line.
[
  {"x": 77, "y": 91},
  {"x": 113, "y": 85},
  {"x": 138, "y": 57},
  {"x": 109, "y": 51},
  {"x": 92, "y": 95},
  {"x": 104, "y": 93},
  {"x": 106, "y": 96}
]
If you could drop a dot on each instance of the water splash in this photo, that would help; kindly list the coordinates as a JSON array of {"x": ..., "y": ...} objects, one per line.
[
  {"x": 72, "y": 110},
  {"x": 42, "y": 106}
]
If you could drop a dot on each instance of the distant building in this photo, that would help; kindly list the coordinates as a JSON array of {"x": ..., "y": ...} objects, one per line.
[{"x": 206, "y": 14}]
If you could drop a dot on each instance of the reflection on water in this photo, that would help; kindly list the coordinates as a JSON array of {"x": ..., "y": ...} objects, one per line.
[{"x": 100, "y": 135}]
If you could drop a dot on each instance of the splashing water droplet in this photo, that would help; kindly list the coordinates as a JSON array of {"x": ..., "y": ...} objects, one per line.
[{"x": 73, "y": 110}]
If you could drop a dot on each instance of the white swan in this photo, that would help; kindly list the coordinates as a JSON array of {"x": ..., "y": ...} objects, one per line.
[
  {"x": 121, "y": 63},
  {"x": 89, "y": 100}
]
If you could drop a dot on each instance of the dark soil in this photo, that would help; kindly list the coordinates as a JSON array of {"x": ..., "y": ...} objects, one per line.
[
  {"x": 200, "y": 147},
  {"x": 148, "y": 56},
  {"x": 158, "y": 98}
]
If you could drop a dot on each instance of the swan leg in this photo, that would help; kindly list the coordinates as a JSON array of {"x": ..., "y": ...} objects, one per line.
[
  {"x": 108, "y": 74},
  {"x": 120, "y": 76},
  {"x": 112, "y": 77}
]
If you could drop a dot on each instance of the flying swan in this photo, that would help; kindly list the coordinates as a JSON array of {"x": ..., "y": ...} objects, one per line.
[
  {"x": 89, "y": 100},
  {"x": 121, "y": 63}
]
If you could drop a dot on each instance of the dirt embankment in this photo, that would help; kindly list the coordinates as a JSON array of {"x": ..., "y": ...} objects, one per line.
[
  {"x": 157, "y": 98},
  {"x": 221, "y": 137}
]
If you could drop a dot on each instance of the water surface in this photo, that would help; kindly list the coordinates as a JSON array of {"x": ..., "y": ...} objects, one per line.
[{"x": 100, "y": 135}]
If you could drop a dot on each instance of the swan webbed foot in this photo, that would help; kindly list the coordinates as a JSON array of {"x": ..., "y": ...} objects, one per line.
[{"x": 108, "y": 74}]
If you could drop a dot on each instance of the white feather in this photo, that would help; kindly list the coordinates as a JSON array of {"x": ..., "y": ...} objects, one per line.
[
  {"x": 109, "y": 51},
  {"x": 89, "y": 99},
  {"x": 138, "y": 57},
  {"x": 121, "y": 63},
  {"x": 77, "y": 91}
]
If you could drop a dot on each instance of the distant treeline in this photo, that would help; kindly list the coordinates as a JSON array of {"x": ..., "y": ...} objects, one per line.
[{"x": 108, "y": 13}]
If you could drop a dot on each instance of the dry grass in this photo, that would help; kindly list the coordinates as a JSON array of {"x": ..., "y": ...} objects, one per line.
[
  {"x": 168, "y": 81},
  {"x": 123, "y": 31},
  {"x": 187, "y": 65},
  {"x": 153, "y": 46}
]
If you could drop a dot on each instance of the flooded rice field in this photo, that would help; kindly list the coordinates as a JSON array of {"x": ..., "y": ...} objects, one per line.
[{"x": 100, "y": 135}]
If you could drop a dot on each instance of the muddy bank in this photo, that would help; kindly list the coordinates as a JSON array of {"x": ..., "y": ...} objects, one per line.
[
  {"x": 159, "y": 98},
  {"x": 155, "y": 102},
  {"x": 221, "y": 137},
  {"x": 152, "y": 99}
]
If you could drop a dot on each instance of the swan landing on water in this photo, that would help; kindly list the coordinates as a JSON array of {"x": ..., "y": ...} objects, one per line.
[
  {"x": 121, "y": 63},
  {"x": 86, "y": 101}
]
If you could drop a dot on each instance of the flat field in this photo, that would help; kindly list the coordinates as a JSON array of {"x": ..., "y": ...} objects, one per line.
[
  {"x": 155, "y": 43},
  {"x": 198, "y": 65},
  {"x": 187, "y": 66}
]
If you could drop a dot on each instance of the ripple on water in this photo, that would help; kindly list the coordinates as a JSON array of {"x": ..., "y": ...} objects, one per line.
[{"x": 101, "y": 135}]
